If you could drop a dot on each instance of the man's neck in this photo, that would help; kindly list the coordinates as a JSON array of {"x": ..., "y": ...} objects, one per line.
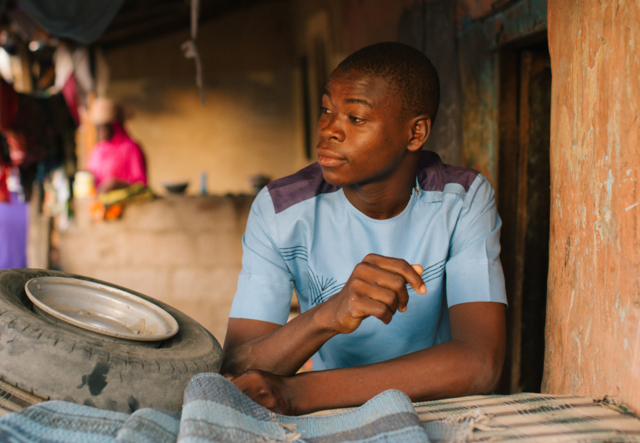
[{"x": 385, "y": 198}]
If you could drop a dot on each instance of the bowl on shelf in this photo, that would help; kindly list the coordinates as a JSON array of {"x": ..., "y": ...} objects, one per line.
[{"x": 176, "y": 187}]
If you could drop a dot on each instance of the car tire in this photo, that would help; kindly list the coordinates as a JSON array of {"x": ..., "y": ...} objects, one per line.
[{"x": 58, "y": 363}]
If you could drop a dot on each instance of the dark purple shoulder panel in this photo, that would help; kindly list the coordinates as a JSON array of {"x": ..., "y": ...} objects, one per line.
[
  {"x": 303, "y": 185},
  {"x": 433, "y": 174}
]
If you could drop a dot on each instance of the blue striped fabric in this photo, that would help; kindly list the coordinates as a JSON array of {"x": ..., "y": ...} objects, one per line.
[{"x": 214, "y": 411}]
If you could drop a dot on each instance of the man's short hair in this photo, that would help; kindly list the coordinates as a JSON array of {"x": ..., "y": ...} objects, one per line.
[{"x": 408, "y": 71}]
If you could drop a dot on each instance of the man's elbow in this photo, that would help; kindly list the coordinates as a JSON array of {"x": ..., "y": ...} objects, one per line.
[
  {"x": 488, "y": 373},
  {"x": 488, "y": 377}
]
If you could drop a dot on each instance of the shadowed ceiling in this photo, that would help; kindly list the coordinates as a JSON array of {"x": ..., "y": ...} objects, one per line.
[{"x": 139, "y": 20}]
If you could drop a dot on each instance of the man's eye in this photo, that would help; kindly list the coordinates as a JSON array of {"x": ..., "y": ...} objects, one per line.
[
  {"x": 356, "y": 119},
  {"x": 324, "y": 110}
]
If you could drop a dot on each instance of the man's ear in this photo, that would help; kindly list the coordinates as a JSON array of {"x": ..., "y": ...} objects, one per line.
[{"x": 420, "y": 131}]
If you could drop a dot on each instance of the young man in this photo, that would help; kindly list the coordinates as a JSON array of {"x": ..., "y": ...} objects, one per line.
[{"x": 394, "y": 256}]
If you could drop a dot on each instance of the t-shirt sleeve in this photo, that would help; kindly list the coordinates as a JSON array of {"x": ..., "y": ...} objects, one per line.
[
  {"x": 473, "y": 271},
  {"x": 265, "y": 284}
]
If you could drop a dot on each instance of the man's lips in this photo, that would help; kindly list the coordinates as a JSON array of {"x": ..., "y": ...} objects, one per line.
[{"x": 329, "y": 158}]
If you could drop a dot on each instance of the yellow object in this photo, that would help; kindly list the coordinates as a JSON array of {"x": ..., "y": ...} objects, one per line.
[
  {"x": 135, "y": 192},
  {"x": 110, "y": 205},
  {"x": 83, "y": 186}
]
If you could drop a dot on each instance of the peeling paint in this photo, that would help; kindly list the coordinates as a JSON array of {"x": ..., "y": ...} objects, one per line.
[
  {"x": 478, "y": 41},
  {"x": 595, "y": 149}
]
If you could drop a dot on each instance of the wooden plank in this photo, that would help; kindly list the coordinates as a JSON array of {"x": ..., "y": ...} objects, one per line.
[
  {"x": 506, "y": 195},
  {"x": 536, "y": 236},
  {"x": 526, "y": 60}
]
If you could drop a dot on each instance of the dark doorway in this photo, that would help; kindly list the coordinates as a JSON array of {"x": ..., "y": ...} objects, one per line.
[{"x": 524, "y": 206}]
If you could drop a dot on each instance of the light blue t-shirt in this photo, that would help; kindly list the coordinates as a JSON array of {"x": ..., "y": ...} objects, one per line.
[{"x": 303, "y": 232}]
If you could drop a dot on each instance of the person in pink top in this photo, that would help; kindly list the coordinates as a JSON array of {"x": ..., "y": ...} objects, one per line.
[{"x": 116, "y": 161}]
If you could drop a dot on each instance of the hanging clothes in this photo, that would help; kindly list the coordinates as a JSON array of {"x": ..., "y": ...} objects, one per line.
[
  {"x": 5, "y": 196},
  {"x": 13, "y": 234},
  {"x": 70, "y": 93},
  {"x": 79, "y": 20},
  {"x": 37, "y": 134},
  {"x": 73, "y": 74},
  {"x": 8, "y": 114},
  {"x": 8, "y": 105}
]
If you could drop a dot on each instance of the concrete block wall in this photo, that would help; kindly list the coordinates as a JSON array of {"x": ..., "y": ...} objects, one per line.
[{"x": 184, "y": 251}]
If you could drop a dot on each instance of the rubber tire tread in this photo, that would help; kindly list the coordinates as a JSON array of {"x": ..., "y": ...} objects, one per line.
[{"x": 59, "y": 364}]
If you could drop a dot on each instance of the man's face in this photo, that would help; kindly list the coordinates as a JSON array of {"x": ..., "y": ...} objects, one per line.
[{"x": 361, "y": 137}]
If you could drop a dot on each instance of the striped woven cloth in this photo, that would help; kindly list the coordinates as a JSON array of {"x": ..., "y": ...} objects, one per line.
[
  {"x": 527, "y": 418},
  {"x": 520, "y": 417},
  {"x": 214, "y": 410},
  {"x": 14, "y": 399},
  {"x": 524, "y": 418}
]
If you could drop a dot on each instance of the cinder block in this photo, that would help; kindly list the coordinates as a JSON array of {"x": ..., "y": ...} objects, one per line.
[
  {"x": 155, "y": 216},
  {"x": 218, "y": 320},
  {"x": 83, "y": 219},
  {"x": 219, "y": 249},
  {"x": 82, "y": 251},
  {"x": 199, "y": 214},
  {"x": 210, "y": 285},
  {"x": 158, "y": 249},
  {"x": 153, "y": 282},
  {"x": 243, "y": 207},
  {"x": 105, "y": 248},
  {"x": 183, "y": 251},
  {"x": 69, "y": 255}
]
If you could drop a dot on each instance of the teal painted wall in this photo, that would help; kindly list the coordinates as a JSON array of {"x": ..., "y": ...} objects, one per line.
[{"x": 479, "y": 43}]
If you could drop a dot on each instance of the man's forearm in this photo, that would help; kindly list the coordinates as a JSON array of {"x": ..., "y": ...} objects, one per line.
[
  {"x": 377, "y": 287},
  {"x": 470, "y": 363},
  {"x": 282, "y": 351},
  {"x": 450, "y": 369}
]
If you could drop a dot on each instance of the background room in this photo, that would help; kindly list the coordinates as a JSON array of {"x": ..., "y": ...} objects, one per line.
[{"x": 540, "y": 97}]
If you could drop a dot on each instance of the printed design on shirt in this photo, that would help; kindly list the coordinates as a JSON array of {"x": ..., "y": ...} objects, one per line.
[
  {"x": 322, "y": 288},
  {"x": 432, "y": 272},
  {"x": 294, "y": 252}
]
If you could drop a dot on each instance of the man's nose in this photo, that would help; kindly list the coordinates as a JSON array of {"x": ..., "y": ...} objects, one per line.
[{"x": 331, "y": 128}]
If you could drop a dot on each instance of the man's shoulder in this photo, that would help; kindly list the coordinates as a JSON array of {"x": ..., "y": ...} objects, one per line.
[
  {"x": 434, "y": 175},
  {"x": 296, "y": 188}
]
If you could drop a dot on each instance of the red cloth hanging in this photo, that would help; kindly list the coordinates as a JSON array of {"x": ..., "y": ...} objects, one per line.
[
  {"x": 5, "y": 195},
  {"x": 8, "y": 106},
  {"x": 8, "y": 114},
  {"x": 70, "y": 94}
]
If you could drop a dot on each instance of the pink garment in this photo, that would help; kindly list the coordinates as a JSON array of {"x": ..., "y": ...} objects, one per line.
[
  {"x": 70, "y": 94},
  {"x": 120, "y": 158}
]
